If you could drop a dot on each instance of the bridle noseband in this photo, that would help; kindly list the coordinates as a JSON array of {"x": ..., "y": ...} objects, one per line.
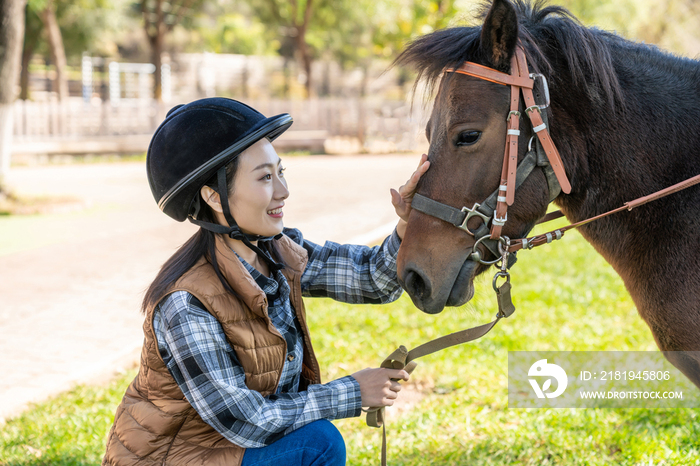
[{"x": 545, "y": 155}]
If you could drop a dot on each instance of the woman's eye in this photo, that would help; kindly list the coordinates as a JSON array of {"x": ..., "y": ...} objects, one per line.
[
  {"x": 467, "y": 138},
  {"x": 267, "y": 177},
  {"x": 282, "y": 171}
]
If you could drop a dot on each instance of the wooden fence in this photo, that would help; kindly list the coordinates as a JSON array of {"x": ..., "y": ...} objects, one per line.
[{"x": 366, "y": 119}]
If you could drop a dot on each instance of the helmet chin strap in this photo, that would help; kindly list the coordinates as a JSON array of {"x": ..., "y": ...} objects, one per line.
[{"x": 234, "y": 231}]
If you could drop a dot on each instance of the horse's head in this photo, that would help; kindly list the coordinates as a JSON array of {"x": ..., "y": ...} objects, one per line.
[{"x": 467, "y": 135}]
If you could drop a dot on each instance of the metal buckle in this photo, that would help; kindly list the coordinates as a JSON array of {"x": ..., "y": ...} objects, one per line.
[
  {"x": 471, "y": 213},
  {"x": 545, "y": 87},
  {"x": 500, "y": 221}
]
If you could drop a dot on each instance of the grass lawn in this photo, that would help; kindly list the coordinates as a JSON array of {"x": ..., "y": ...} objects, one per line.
[{"x": 567, "y": 298}]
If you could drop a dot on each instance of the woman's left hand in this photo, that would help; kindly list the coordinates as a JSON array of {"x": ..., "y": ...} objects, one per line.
[{"x": 403, "y": 197}]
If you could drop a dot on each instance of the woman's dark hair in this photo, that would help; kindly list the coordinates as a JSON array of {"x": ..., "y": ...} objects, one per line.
[{"x": 201, "y": 244}]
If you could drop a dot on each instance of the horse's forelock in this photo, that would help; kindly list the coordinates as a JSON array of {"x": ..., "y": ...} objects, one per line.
[
  {"x": 543, "y": 30},
  {"x": 429, "y": 55}
]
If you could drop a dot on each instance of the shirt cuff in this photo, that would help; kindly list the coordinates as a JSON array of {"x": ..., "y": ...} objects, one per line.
[
  {"x": 349, "y": 398},
  {"x": 393, "y": 242}
]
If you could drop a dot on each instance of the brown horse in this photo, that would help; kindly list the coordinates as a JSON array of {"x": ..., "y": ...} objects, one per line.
[{"x": 624, "y": 117}]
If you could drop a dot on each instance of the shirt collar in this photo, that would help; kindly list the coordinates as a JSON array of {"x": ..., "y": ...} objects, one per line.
[{"x": 268, "y": 284}]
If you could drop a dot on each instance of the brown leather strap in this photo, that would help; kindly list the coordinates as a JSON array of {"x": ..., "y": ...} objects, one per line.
[
  {"x": 542, "y": 132},
  {"x": 506, "y": 189},
  {"x": 489, "y": 74},
  {"x": 519, "y": 68},
  {"x": 664, "y": 192},
  {"x": 375, "y": 416},
  {"x": 548, "y": 237},
  {"x": 404, "y": 359}
]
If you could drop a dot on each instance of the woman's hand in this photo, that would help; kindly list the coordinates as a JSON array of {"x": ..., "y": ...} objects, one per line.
[
  {"x": 403, "y": 197},
  {"x": 377, "y": 387}
]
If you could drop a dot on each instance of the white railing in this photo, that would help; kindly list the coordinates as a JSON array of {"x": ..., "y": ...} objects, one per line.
[{"x": 367, "y": 119}]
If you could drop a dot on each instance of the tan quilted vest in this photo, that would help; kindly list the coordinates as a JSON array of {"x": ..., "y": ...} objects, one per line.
[{"x": 155, "y": 424}]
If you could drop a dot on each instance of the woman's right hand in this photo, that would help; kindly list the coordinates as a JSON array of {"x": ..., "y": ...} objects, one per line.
[
  {"x": 377, "y": 387},
  {"x": 403, "y": 197}
]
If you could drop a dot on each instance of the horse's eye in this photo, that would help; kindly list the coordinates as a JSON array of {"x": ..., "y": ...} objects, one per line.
[{"x": 467, "y": 138}]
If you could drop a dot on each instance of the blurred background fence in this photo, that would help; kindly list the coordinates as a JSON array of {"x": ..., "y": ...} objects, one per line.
[
  {"x": 335, "y": 116},
  {"x": 110, "y": 107},
  {"x": 51, "y": 126}
]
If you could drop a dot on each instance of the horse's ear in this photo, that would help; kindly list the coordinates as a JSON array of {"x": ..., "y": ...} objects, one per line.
[{"x": 499, "y": 34}]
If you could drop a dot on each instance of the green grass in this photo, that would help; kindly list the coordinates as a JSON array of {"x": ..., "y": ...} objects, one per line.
[
  {"x": 70, "y": 429},
  {"x": 567, "y": 298}
]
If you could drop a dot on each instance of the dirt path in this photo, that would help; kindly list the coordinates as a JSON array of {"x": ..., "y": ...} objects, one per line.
[{"x": 72, "y": 281}]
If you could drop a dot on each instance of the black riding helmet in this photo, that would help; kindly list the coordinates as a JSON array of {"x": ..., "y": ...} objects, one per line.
[{"x": 196, "y": 142}]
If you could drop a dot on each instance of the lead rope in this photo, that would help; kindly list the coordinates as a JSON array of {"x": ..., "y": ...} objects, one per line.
[{"x": 401, "y": 358}]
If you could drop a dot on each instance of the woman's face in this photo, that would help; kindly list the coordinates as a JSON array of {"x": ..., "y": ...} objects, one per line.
[{"x": 259, "y": 190}]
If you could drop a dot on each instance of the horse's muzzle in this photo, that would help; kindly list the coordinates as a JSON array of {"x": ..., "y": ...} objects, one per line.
[{"x": 432, "y": 301}]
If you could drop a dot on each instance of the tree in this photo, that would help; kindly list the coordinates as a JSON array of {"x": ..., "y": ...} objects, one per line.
[
  {"x": 11, "y": 36},
  {"x": 381, "y": 29},
  {"x": 670, "y": 24},
  {"x": 159, "y": 18},
  {"x": 83, "y": 26},
  {"x": 295, "y": 19},
  {"x": 47, "y": 13},
  {"x": 32, "y": 35}
]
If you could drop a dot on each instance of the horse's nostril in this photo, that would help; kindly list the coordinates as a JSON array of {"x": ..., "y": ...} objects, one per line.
[{"x": 416, "y": 285}]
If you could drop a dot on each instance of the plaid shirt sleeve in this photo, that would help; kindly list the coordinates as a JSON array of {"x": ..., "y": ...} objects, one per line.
[
  {"x": 350, "y": 273},
  {"x": 204, "y": 365}
]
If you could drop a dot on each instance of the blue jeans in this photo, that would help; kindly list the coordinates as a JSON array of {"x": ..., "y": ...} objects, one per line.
[{"x": 315, "y": 444}]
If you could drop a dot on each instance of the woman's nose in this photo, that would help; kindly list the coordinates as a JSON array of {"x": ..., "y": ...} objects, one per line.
[{"x": 281, "y": 190}]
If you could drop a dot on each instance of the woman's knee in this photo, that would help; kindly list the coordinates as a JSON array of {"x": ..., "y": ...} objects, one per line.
[
  {"x": 329, "y": 443},
  {"x": 315, "y": 444}
]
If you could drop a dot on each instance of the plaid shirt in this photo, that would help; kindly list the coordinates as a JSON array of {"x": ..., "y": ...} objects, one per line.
[{"x": 205, "y": 367}]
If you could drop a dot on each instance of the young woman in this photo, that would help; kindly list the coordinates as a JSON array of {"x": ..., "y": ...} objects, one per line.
[{"x": 228, "y": 374}]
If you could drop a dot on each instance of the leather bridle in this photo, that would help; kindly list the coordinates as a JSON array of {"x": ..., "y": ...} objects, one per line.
[{"x": 544, "y": 154}]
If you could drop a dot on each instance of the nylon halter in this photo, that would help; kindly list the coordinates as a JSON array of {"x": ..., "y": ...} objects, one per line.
[{"x": 545, "y": 155}]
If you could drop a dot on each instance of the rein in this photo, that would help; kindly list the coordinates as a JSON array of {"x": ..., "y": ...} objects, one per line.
[
  {"x": 534, "y": 241},
  {"x": 494, "y": 209}
]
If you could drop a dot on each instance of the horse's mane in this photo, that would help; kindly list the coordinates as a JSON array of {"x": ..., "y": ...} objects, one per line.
[{"x": 543, "y": 31}]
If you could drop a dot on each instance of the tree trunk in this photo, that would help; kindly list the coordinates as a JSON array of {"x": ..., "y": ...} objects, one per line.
[
  {"x": 11, "y": 36},
  {"x": 302, "y": 48},
  {"x": 157, "y": 60},
  {"x": 27, "y": 54},
  {"x": 32, "y": 29},
  {"x": 304, "y": 58},
  {"x": 155, "y": 27},
  {"x": 58, "y": 53}
]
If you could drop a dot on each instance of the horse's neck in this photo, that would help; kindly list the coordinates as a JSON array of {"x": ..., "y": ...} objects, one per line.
[
  {"x": 649, "y": 142},
  {"x": 619, "y": 154}
]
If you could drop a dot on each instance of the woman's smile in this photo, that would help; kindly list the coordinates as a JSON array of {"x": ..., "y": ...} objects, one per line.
[{"x": 276, "y": 213}]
